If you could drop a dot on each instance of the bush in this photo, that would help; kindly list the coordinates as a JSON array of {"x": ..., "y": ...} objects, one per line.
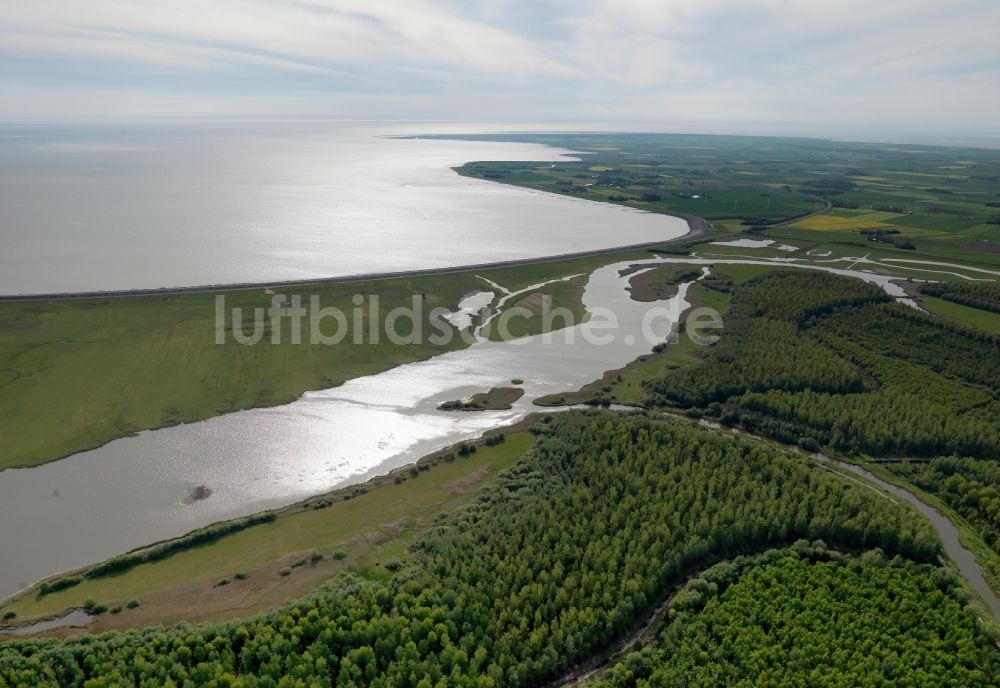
[
  {"x": 98, "y": 609},
  {"x": 315, "y": 557},
  {"x": 10, "y": 614},
  {"x": 57, "y": 585},
  {"x": 221, "y": 582},
  {"x": 340, "y": 554},
  {"x": 132, "y": 603},
  {"x": 393, "y": 565},
  {"x": 494, "y": 439},
  {"x": 240, "y": 575},
  {"x": 285, "y": 571},
  {"x": 117, "y": 609},
  {"x": 89, "y": 604},
  {"x": 298, "y": 562}
]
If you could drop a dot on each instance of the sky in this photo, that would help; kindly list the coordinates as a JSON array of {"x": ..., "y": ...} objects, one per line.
[{"x": 759, "y": 66}]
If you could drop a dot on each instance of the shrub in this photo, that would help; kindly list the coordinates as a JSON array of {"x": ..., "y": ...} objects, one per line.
[
  {"x": 132, "y": 603},
  {"x": 98, "y": 609},
  {"x": 315, "y": 557},
  {"x": 393, "y": 565},
  {"x": 809, "y": 444},
  {"x": 298, "y": 562},
  {"x": 57, "y": 585},
  {"x": 494, "y": 439},
  {"x": 340, "y": 554},
  {"x": 240, "y": 575},
  {"x": 117, "y": 609},
  {"x": 285, "y": 571},
  {"x": 9, "y": 614},
  {"x": 221, "y": 582}
]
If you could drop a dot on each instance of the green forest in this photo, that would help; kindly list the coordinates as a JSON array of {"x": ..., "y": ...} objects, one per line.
[
  {"x": 567, "y": 552},
  {"x": 815, "y": 359},
  {"x": 808, "y": 616}
]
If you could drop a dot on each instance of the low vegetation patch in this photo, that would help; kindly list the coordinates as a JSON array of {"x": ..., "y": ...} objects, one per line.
[
  {"x": 497, "y": 399},
  {"x": 660, "y": 283},
  {"x": 167, "y": 549}
]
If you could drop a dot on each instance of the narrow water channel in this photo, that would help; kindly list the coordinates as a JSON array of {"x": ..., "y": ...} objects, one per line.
[{"x": 946, "y": 530}]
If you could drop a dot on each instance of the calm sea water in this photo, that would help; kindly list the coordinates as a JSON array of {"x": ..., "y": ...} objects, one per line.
[{"x": 85, "y": 207}]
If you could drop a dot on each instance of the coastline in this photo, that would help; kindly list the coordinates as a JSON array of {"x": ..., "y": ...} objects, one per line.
[{"x": 696, "y": 226}]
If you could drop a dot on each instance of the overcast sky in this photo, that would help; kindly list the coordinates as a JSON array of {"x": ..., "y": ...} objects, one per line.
[{"x": 757, "y": 65}]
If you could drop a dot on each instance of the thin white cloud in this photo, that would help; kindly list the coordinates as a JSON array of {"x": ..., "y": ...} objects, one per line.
[
  {"x": 312, "y": 32},
  {"x": 854, "y": 60}
]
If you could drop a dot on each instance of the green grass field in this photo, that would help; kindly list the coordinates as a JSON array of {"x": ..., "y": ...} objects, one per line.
[
  {"x": 964, "y": 315},
  {"x": 372, "y": 529},
  {"x": 527, "y": 315}
]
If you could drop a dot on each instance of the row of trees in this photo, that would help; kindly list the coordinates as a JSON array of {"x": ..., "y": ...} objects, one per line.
[{"x": 563, "y": 553}]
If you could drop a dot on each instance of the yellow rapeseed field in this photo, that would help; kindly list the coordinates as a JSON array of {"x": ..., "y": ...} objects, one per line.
[{"x": 834, "y": 222}]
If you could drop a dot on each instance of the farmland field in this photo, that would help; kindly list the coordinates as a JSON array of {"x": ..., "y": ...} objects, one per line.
[{"x": 934, "y": 199}]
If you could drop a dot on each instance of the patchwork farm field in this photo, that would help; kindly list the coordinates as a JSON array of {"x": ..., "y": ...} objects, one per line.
[{"x": 938, "y": 200}]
